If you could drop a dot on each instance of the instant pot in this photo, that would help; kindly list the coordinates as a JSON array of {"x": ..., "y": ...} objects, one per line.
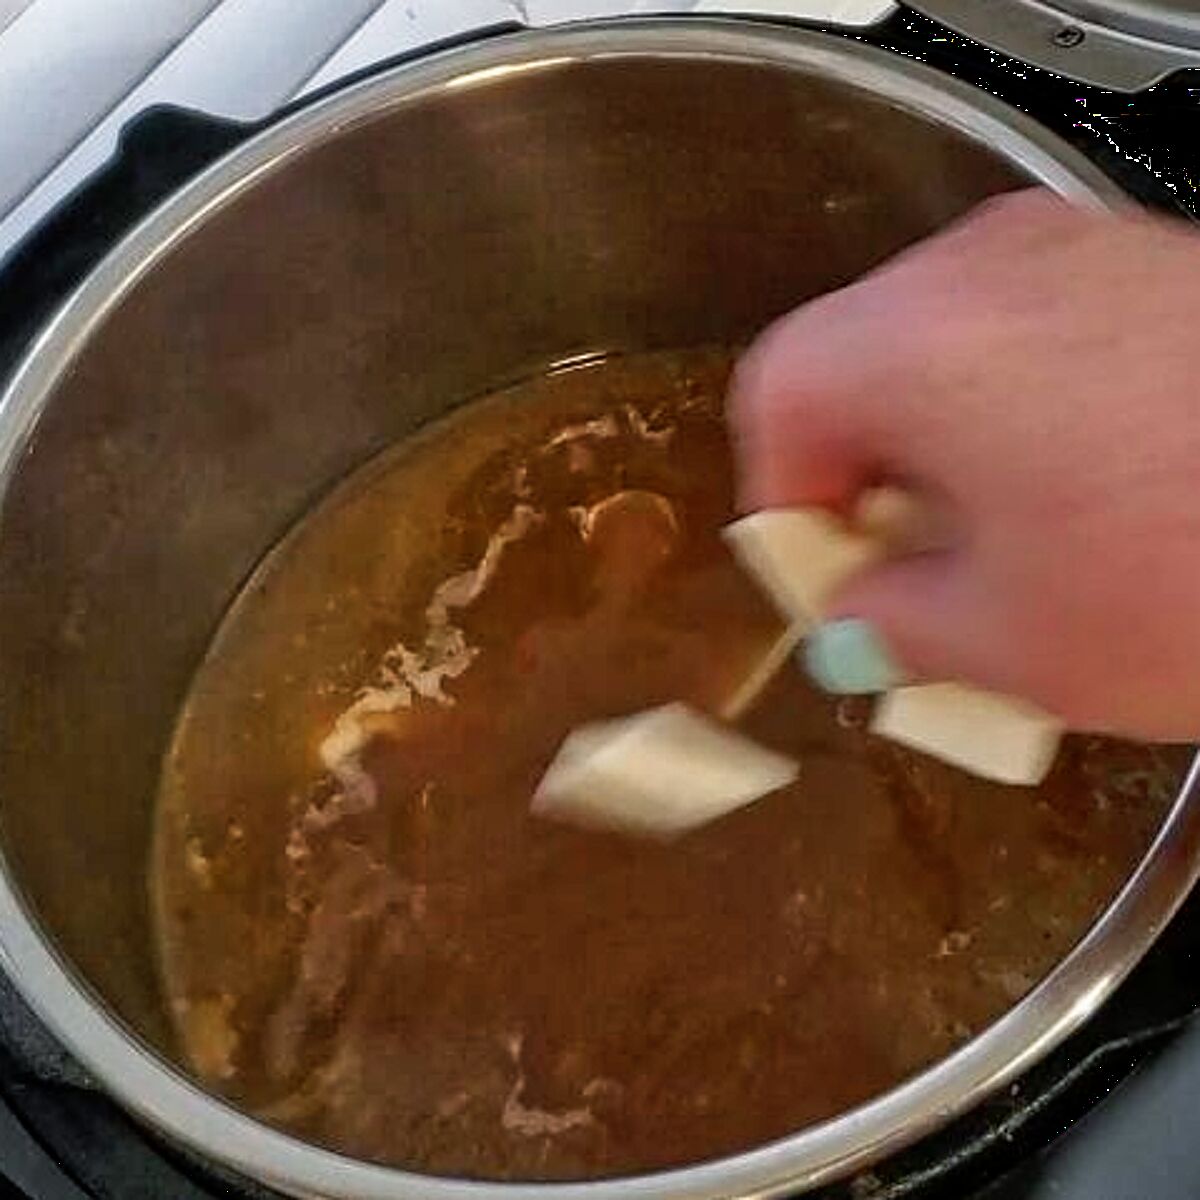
[{"x": 229, "y": 318}]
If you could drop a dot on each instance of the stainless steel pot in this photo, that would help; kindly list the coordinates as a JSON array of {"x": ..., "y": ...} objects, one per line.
[{"x": 390, "y": 251}]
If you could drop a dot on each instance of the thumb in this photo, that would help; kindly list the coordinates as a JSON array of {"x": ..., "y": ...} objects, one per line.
[{"x": 914, "y": 618}]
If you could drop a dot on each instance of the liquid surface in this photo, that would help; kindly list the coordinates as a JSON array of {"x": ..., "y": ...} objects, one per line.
[{"x": 367, "y": 940}]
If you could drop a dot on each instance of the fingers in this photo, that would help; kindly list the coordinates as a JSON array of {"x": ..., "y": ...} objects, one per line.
[
  {"x": 920, "y": 607},
  {"x": 989, "y": 370},
  {"x": 835, "y": 395},
  {"x": 928, "y": 619},
  {"x": 838, "y": 394},
  {"x": 805, "y": 408}
]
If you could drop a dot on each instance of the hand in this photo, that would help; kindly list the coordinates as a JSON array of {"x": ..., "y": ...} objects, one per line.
[{"x": 1035, "y": 372}]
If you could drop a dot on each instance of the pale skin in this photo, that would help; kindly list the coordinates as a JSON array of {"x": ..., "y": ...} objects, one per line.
[{"x": 1034, "y": 371}]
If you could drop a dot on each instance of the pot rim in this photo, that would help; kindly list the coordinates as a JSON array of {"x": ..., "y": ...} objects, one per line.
[{"x": 160, "y": 1094}]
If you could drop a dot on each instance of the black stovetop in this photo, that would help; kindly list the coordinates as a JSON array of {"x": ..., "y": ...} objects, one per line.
[{"x": 1107, "y": 1117}]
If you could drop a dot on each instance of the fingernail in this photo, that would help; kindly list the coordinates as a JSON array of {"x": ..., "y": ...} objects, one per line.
[{"x": 849, "y": 658}]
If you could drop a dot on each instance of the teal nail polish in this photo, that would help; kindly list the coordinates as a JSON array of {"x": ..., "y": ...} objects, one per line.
[{"x": 850, "y": 659}]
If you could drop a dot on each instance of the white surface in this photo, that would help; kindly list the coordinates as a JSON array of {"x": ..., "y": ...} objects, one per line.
[
  {"x": 63, "y": 62},
  {"x": 247, "y": 58},
  {"x": 845, "y": 12},
  {"x": 857, "y": 13},
  {"x": 554, "y": 12},
  {"x": 400, "y": 26},
  {"x": 77, "y": 70},
  {"x": 9, "y": 9}
]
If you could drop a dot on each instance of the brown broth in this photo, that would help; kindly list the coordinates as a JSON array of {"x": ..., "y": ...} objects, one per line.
[{"x": 392, "y": 958}]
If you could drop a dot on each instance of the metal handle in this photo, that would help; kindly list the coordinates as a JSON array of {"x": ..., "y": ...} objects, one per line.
[{"x": 1045, "y": 35}]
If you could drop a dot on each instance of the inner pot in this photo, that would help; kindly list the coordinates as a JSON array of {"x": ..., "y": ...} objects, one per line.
[{"x": 362, "y": 267}]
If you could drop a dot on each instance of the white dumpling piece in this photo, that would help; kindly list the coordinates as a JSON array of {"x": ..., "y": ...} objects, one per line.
[
  {"x": 993, "y": 736},
  {"x": 800, "y": 557},
  {"x": 658, "y": 774}
]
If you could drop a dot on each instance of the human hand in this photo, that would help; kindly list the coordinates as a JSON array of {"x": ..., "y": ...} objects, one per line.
[{"x": 1034, "y": 373}]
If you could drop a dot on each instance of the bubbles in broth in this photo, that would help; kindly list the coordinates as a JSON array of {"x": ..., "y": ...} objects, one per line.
[{"x": 367, "y": 940}]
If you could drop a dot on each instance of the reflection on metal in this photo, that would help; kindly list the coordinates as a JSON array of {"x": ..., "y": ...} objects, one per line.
[{"x": 487, "y": 75}]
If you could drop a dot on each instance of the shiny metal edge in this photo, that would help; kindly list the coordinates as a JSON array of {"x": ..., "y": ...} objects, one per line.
[
  {"x": 1102, "y": 44},
  {"x": 843, "y": 14},
  {"x": 164, "y": 1098}
]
